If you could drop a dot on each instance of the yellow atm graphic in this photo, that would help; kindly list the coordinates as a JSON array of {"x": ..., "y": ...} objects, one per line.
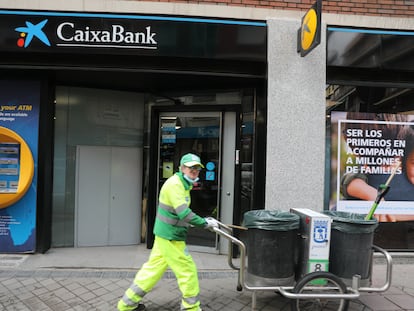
[{"x": 16, "y": 167}]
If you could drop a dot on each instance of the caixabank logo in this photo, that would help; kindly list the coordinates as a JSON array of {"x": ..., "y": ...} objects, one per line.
[
  {"x": 78, "y": 34},
  {"x": 114, "y": 35},
  {"x": 31, "y": 31}
]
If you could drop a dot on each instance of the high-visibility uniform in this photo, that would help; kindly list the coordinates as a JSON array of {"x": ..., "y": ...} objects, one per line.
[{"x": 171, "y": 225}]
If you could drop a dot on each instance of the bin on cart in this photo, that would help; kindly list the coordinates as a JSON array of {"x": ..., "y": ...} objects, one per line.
[
  {"x": 271, "y": 246},
  {"x": 351, "y": 246},
  {"x": 317, "y": 289}
]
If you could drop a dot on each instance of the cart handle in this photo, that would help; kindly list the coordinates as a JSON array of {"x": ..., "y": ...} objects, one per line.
[
  {"x": 225, "y": 231},
  {"x": 388, "y": 276}
]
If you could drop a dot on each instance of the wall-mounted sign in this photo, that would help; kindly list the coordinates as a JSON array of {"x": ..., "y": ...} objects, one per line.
[
  {"x": 210, "y": 173},
  {"x": 168, "y": 131},
  {"x": 126, "y": 34},
  {"x": 309, "y": 34},
  {"x": 366, "y": 148},
  {"x": 19, "y": 123}
]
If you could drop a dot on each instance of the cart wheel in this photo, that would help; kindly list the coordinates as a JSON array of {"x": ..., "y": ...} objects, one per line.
[{"x": 320, "y": 282}]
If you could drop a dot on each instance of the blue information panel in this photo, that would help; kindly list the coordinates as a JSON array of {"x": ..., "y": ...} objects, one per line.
[{"x": 19, "y": 123}]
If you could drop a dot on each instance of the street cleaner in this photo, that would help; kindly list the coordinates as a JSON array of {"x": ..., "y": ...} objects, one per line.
[{"x": 174, "y": 216}]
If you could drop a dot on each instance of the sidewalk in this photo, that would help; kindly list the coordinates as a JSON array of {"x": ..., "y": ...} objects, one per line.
[{"x": 95, "y": 278}]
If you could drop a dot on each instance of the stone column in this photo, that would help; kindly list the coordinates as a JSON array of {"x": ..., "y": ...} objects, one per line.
[{"x": 296, "y": 120}]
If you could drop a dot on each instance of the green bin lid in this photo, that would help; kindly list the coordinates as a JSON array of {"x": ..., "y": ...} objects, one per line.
[
  {"x": 274, "y": 220},
  {"x": 351, "y": 222}
]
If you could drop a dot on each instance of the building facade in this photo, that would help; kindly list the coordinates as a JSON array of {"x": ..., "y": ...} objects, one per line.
[{"x": 119, "y": 89}]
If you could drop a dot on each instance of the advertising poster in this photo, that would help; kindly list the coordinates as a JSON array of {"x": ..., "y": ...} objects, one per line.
[
  {"x": 19, "y": 122},
  {"x": 366, "y": 149}
]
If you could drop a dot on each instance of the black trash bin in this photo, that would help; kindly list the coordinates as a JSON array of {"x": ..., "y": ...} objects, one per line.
[
  {"x": 351, "y": 246},
  {"x": 271, "y": 246}
]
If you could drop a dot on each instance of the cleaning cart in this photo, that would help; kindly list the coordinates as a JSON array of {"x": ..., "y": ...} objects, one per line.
[{"x": 312, "y": 286}]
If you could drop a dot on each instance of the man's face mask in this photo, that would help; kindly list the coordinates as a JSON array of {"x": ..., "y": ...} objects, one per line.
[{"x": 190, "y": 180}]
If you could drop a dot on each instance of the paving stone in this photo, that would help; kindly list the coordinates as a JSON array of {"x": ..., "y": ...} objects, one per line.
[
  {"x": 378, "y": 303},
  {"x": 403, "y": 301}
]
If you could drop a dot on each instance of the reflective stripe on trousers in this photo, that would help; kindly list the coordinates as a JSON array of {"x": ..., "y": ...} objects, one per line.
[
  {"x": 191, "y": 303},
  {"x": 165, "y": 254}
]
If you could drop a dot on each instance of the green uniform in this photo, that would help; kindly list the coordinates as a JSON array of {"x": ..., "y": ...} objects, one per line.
[{"x": 174, "y": 216}]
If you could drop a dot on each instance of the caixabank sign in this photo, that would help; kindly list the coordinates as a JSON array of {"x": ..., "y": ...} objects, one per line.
[
  {"x": 114, "y": 36},
  {"x": 78, "y": 35},
  {"x": 65, "y": 32},
  {"x": 77, "y": 32}
]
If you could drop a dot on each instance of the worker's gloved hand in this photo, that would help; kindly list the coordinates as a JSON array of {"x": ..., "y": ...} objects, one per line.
[{"x": 211, "y": 223}]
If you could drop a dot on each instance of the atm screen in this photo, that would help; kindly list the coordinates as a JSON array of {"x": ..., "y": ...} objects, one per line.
[{"x": 9, "y": 167}]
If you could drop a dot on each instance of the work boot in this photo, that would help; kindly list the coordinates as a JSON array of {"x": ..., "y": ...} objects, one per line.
[{"x": 141, "y": 307}]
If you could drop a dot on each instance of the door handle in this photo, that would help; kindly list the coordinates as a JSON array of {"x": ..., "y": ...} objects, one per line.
[{"x": 228, "y": 193}]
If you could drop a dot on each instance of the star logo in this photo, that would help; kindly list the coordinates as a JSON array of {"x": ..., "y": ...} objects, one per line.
[
  {"x": 305, "y": 27},
  {"x": 309, "y": 27},
  {"x": 30, "y": 31},
  {"x": 309, "y": 33}
]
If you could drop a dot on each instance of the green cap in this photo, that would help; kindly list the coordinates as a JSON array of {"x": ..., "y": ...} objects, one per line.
[{"x": 190, "y": 159}]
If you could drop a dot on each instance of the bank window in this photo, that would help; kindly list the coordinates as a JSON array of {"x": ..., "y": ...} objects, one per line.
[{"x": 371, "y": 135}]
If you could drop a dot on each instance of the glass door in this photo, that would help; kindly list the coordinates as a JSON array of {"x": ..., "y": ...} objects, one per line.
[{"x": 199, "y": 133}]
